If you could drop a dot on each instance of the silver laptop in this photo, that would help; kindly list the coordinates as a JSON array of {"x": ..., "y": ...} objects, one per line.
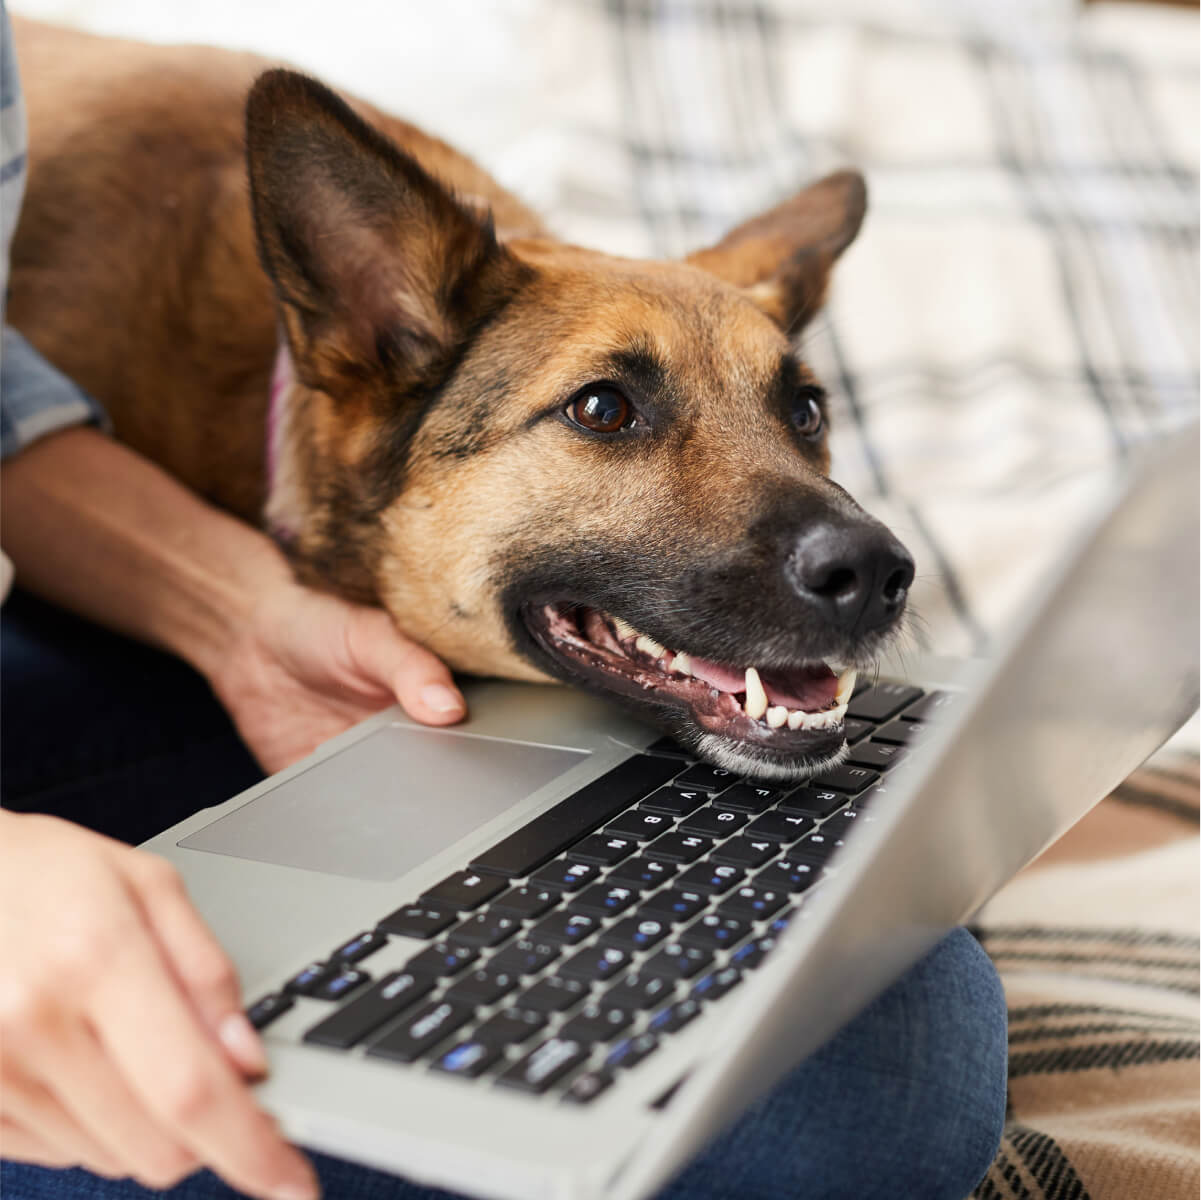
[{"x": 544, "y": 954}]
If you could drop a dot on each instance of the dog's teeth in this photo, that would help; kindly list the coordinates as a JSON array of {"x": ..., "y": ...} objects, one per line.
[
  {"x": 776, "y": 717},
  {"x": 846, "y": 685},
  {"x": 682, "y": 664},
  {"x": 624, "y": 629},
  {"x": 756, "y": 697},
  {"x": 795, "y": 717},
  {"x": 649, "y": 646}
]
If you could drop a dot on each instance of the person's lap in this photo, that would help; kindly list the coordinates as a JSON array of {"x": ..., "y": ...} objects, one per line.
[{"x": 907, "y": 1100}]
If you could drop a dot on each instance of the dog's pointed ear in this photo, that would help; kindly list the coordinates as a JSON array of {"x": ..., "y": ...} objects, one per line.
[
  {"x": 782, "y": 258},
  {"x": 375, "y": 263}
]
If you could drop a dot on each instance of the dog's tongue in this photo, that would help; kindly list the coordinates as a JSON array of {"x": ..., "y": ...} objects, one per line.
[{"x": 808, "y": 688}]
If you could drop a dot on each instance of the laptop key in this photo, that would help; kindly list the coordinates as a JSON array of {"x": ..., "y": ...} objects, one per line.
[
  {"x": 679, "y": 847},
  {"x": 751, "y": 902},
  {"x": 468, "y": 1059},
  {"x": 339, "y": 986},
  {"x": 813, "y": 802},
  {"x": 510, "y": 1027},
  {"x": 745, "y": 852},
  {"x": 525, "y": 902},
  {"x": 668, "y": 1020},
  {"x": 676, "y": 961},
  {"x": 676, "y": 905},
  {"x": 710, "y": 877},
  {"x": 367, "y": 1012},
  {"x": 790, "y": 875},
  {"x": 586, "y": 1087},
  {"x": 932, "y": 705},
  {"x": 815, "y": 847},
  {"x": 360, "y": 946},
  {"x": 595, "y": 963},
  {"x": 630, "y": 1051},
  {"x": 780, "y": 827},
  {"x": 544, "y": 1065},
  {"x": 855, "y": 731},
  {"x": 418, "y": 921},
  {"x": 846, "y": 779},
  {"x": 551, "y": 833},
  {"x": 597, "y": 1023},
  {"x": 306, "y": 981},
  {"x": 707, "y": 778},
  {"x": 464, "y": 890},
  {"x": 526, "y": 956},
  {"x": 677, "y": 802},
  {"x": 643, "y": 872},
  {"x": 639, "y": 825},
  {"x": 637, "y": 991},
  {"x": 567, "y": 926},
  {"x": 878, "y": 755},
  {"x": 715, "y": 932},
  {"x": 482, "y": 987},
  {"x": 552, "y": 994},
  {"x": 486, "y": 929},
  {"x": 606, "y": 899},
  {"x": 637, "y": 932},
  {"x": 668, "y": 746},
  {"x": 421, "y": 1031},
  {"x": 714, "y": 822},
  {"x": 881, "y": 701},
  {"x": 264, "y": 1010},
  {"x": 901, "y": 732},
  {"x": 565, "y": 876},
  {"x": 441, "y": 959},
  {"x": 748, "y": 797},
  {"x": 716, "y": 984},
  {"x": 747, "y": 957},
  {"x": 603, "y": 849}
]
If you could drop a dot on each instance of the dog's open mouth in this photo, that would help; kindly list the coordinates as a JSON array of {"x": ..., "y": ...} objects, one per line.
[{"x": 778, "y": 721}]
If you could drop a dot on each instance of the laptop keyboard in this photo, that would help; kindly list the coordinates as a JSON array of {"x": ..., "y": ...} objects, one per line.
[{"x": 569, "y": 951}]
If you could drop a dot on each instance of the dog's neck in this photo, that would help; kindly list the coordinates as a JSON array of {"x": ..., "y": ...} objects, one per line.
[{"x": 282, "y": 510}]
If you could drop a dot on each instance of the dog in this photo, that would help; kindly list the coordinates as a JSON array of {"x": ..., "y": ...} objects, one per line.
[{"x": 545, "y": 462}]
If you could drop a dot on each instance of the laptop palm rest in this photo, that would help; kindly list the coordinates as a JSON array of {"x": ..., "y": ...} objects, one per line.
[{"x": 385, "y": 804}]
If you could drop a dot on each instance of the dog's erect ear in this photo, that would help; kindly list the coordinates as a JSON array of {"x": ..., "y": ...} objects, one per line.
[
  {"x": 375, "y": 263},
  {"x": 782, "y": 258}
]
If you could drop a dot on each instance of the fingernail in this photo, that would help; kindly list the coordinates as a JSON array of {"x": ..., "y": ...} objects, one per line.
[
  {"x": 298, "y": 1191},
  {"x": 238, "y": 1036},
  {"x": 442, "y": 699}
]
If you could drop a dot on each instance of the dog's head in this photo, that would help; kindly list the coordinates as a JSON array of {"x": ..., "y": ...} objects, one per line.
[{"x": 545, "y": 461}]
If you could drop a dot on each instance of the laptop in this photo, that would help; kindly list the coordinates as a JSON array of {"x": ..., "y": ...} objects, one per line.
[{"x": 547, "y": 954}]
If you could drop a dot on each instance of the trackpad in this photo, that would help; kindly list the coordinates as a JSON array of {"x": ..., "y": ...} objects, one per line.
[{"x": 385, "y": 804}]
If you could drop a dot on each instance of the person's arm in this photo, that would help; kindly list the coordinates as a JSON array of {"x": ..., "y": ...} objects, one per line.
[{"x": 96, "y": 528}]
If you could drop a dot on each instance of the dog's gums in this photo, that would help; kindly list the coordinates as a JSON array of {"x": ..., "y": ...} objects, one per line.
[{"x": 780, "y": 722}]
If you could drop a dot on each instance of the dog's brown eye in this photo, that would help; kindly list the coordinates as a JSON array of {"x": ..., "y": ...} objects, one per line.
[
  {"x": 600, "y": 409},
  {"x": 807, "y": 412}
]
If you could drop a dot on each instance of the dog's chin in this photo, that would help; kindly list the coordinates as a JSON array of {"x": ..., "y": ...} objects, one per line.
[{"x": 713, "y": 709}]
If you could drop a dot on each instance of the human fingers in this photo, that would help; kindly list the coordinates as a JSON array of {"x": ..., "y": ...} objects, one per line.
[{"x": 23, "y": 1145}]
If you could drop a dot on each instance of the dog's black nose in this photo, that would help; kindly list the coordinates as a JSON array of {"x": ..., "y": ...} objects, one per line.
[{"x": 855, "y": 573}]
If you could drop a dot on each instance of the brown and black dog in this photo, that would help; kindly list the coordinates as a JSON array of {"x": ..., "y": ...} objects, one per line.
[{"x": 543, "y": 461}]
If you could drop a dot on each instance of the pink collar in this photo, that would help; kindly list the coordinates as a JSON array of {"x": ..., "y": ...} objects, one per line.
[{"x": 281, "y": 523}]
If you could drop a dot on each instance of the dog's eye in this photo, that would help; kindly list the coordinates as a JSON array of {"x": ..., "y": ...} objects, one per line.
[
  {"x": 807, "y": 412},
  {"x": 600, "y": 408}
]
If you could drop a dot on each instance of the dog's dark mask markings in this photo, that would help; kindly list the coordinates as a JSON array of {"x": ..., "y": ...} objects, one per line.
[{"x": 545, "y": 461}]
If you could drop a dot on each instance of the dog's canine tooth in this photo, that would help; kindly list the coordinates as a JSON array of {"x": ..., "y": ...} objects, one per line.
[
  {"x": 846, "y": 685},
  {"x": 624, "y": 629},
  {"x": 682, "y": 664},
  {"x": 776, "y": 717},
  {"x": 649, "y": 646},
  {"x": 795, "y": 717},
  {"x": 756, "y": 697}
]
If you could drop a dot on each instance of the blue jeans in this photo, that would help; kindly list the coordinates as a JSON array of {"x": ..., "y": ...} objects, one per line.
[{"x": 907, "y": 1101}]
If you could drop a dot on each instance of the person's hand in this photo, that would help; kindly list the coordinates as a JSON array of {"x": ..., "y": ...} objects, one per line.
[
  {"x": 309, "y": 665},
  {"x": 125, "y": 1047}
]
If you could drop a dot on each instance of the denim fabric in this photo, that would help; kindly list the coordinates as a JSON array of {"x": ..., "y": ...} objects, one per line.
[{"x": 907, "y": 1101}]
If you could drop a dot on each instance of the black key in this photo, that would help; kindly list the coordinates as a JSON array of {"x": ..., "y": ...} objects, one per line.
[
  {"x": 486, "y": 929},
  {"x": 855, "y": 731},
  {"x": 442, "y": 958},
  {"x": 552, "y": 994},
  {"x": 679, "y": 847},
  {"x": 715, "y": 985},
  {"x": 675, "y": 904},
  {"x": 368, "y": 1011},
  {"x": 815, "y": 847},
  {"x": 263, "y": 1011},
  {"x": 745, "y": 852},
  {"x": 753, "y": 902},
  {"x": 715, "y": 932},
  {"x": 639, "y": 824},
  {"x": 707, "y": 778},
  {"x": 603, "y": 848},
  {"x": 605, "y": 899},
  {"x": 714, "y": 822},
  {"x": 421, "y": 1031},
  {"x": 813, "y": 802},
  {"x": 678, "y": 802},
  {"x": 308, "y": 979},
  {"x": 586, "y": 1087},
  {"x": 482, "y": 987},
  {"x": 567, "y": 926},
  {"x": 360, "y": 946},
  {"x": 780, "y": 827},
  {"x": 597, "y": 1023},
  {"x": 565, "y": 876},
  {"x": 932, "y": 705},
  {"x": 637, "y": 932},
  {"x": 668, "y": 746},
  {"x": 748, "y": 956},
  {"x": 846, "y": 779},
  {"x": 339, "y": 986},
  {"x": 638, "y": 991},
  {"x": 881, "y": 701},
  {"x": 790, "y": 875},
  {"x": 839, "y": 825},
  {"x": 748, "y": 797},
  {"x": 526, "y": 956},
  {"x": 510, "y": 1027},
  {"x": 571, "y": 819},
  {"x": 468, "y": 1059},
  {"x": 668, "y": 1020},
  {"x": 631, "y": 1051},
  {"x": 545, "y": 1064},
  {"x": 463, "y": 890},
  {"x": 878, "y": 755},
  {"x": 710, "y": 877},
  {"x": 418, "y": 921},
  {"x": 525, "y": 902},
  {"x": 675, "y": 961},
  {"x": 901, "y": 732},
  {"x": 643, "y": 872},
  {"x": 595, "y": 963}
]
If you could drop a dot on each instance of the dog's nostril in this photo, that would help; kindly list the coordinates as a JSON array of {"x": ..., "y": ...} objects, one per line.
[
  {"x": 896, "y": 585},
  {"x": 838, "y": 581}
]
